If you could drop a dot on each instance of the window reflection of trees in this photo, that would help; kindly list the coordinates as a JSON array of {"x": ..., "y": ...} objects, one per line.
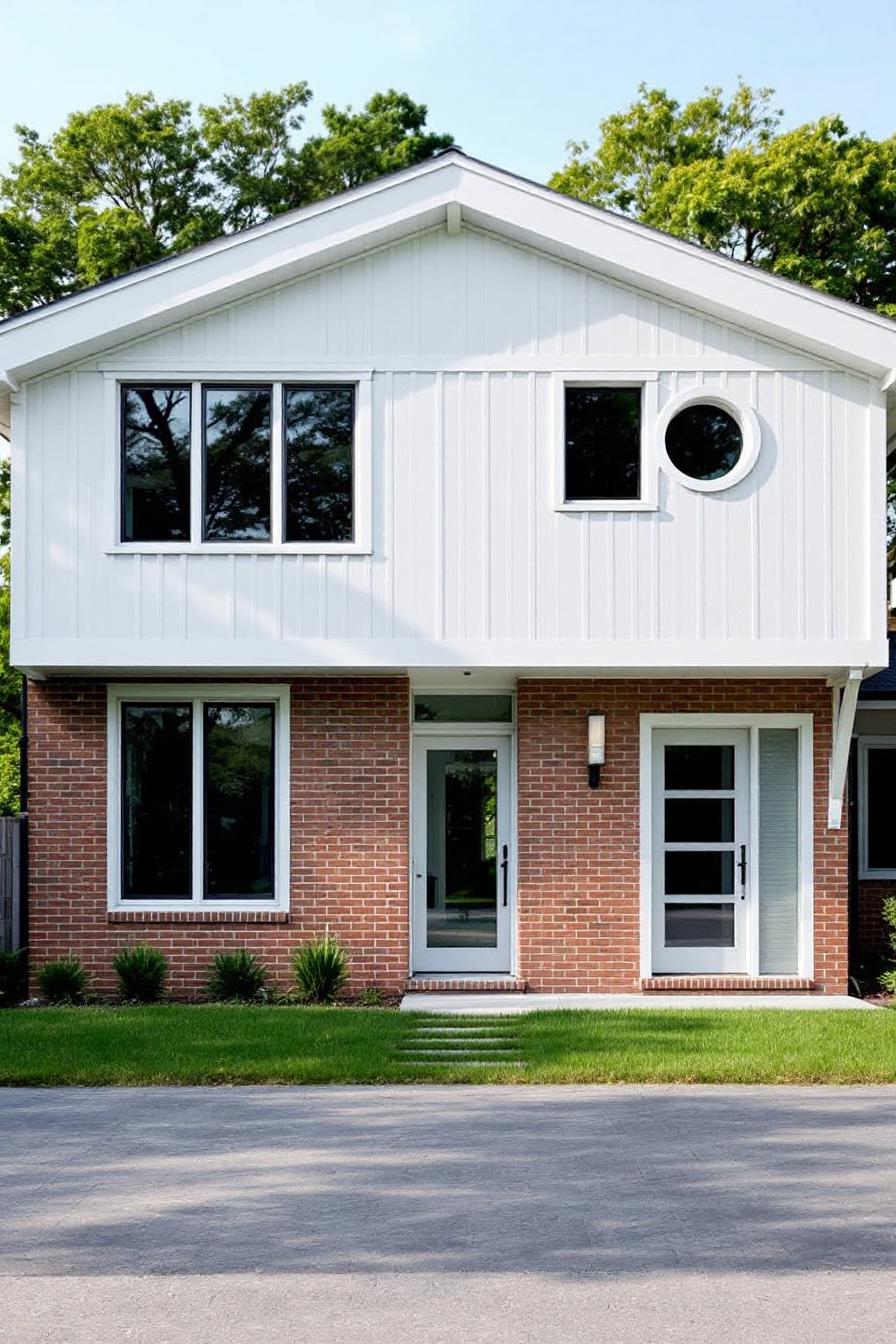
[
  {"x": 319, "y": 429},
  {"x": 239, "y": 800},
  {"x": 238, "y": 464},
  {"x": 157, "y": 464}
]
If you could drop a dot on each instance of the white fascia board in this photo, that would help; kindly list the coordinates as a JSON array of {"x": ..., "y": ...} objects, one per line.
[
  {"x": 676, "y": 270},
  {"x": 719, "y": 658},
  {"x": 157, "y": 297}
]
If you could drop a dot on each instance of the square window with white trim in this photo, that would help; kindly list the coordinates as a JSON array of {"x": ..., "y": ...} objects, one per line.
[
  {"x": 877, "y": 790},
  {"x": 603, "y": 460},
  {"x": 198, "y": 797}
]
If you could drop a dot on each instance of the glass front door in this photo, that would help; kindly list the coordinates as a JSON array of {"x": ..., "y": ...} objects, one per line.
[
  {"x": 701, "y": 886},
  {"x": 462, "y": 860}
]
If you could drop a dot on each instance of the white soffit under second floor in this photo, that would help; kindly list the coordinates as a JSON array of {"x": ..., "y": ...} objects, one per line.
[{"x": 451, "y": 189}]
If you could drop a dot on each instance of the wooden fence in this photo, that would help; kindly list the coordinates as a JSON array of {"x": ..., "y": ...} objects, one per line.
[{"x": 12, "y": 830}]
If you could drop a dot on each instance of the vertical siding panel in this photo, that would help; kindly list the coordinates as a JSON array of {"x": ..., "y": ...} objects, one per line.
[
  {"x": 383, "y": 559},
  {"x": 547, "y": 597}
]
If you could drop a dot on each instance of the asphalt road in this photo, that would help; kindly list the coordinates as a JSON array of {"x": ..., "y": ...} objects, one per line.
[{"x": 459, "y": 1213}]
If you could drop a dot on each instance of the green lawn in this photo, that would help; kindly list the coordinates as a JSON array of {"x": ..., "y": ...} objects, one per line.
[{"x": 231, "y": 1044}]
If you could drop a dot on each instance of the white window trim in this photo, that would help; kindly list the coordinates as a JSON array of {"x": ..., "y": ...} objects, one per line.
[
  {"x": 362, "y": 461},
  {"x": 647, "y": 501},
  {"x": 804, "y": 725},
  {"x": 875, "y": 741},
  {"x": 746, "y": 418},
  {"x": 151, "y": 692}
]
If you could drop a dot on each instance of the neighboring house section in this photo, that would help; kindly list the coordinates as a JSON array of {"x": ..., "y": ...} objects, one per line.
[
  {"x": 479, "y": 575},
  {"x": 874, "y": 792}
]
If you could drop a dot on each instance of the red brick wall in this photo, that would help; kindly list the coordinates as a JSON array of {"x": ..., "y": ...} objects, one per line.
[
  {"x": 349, "y": 822},
  {"x": 579, "y": 868},
  {"x": 578, "y": 848},
  {"x": 871, "y": 932}
]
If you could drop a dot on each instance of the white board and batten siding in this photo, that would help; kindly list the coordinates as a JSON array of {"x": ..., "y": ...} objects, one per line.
[{"x": 465, "y": 340}]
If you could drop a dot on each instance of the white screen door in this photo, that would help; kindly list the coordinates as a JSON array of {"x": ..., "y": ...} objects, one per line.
[
  {"x": 461, "y": 873},
  {"x": 701, "y": 850}
]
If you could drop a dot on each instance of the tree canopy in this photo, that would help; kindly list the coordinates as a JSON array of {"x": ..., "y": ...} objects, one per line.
[
  {"x": 129, "y": 183},
  {"x": 816, "y": 204}
]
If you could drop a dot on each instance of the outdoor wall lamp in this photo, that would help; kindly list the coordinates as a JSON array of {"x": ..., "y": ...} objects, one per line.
[{"x": 596, "y": 743}]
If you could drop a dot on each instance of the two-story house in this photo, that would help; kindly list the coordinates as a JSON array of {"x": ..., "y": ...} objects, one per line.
[{"x": 478, "y": 574}]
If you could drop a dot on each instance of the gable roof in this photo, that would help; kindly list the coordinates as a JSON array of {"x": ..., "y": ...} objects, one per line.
[{"x": 451, "y": 187}]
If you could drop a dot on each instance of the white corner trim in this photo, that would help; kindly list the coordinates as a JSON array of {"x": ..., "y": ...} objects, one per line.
[
  {"x": 747, "y": 421},
  {"x": 197, "y": 692},
  {"x": 843, "y": 707},
  {"x": 453, "y": 220}
]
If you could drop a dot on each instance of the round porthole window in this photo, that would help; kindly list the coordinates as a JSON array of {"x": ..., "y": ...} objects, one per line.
[{"x": 708, "y": 442}]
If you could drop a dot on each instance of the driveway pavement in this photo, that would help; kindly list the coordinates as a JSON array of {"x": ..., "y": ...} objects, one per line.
[{"x": 447, "y": 1214}]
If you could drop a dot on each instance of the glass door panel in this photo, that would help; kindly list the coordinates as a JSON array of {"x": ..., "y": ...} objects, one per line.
[
  {"x": 461, "y": 849},
  {"x": 700, "y": 851},
  {"x": 462, "y": 860}
]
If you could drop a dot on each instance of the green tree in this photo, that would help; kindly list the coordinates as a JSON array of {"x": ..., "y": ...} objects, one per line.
[
  {"x": 816, "y": 204},
  {"x": 129, "y": 183}
]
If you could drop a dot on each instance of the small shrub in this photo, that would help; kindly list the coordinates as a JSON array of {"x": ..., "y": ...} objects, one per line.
[
  {"x": 235, "y": 975},
  {"x": 370, "y": 997},
  {"x": 12, "y": 978},
  {"x": 888, "y": 979},
  {"x": 62, "y": 981},
  {"x": 142, "y": 971},
  {"x": 320, "y": 969}
]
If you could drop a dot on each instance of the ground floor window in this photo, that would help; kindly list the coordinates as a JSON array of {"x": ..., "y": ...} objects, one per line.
[
  {"x": 198, "y": 802},
  {"x": 877, "y": 788}
]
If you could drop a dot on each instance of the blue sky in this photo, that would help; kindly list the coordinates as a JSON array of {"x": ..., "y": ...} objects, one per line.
[{"x": 512, "y": 81}]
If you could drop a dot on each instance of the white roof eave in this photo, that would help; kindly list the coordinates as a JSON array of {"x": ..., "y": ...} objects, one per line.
[{"x": 393, "y": 207}]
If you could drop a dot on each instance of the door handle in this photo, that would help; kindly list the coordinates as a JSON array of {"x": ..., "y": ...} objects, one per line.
[
  {"x": 742, "y": 865},
  {"x": 504, "y": 867}
]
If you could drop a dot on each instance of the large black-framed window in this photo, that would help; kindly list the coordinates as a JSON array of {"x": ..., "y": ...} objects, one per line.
[
  {"x": 155, "y": 461},
  {"x": 274, "y": 462},
  {"x": 602, "y": 443},
  {"x": 156, "y": 804},
  {"x": 318, "y": 445},
  {"x": 197, "y": 798}
]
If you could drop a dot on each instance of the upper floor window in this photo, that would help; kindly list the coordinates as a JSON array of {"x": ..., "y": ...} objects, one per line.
[
  {"x": 707, "y": 439},
  {"x": 244, "y": 463},
  {"x": 237, "y": 475},
  {"x": 318, "y": 425},
  {"x": 156, "y": 463},
  {"x": 602, "y": 445}
]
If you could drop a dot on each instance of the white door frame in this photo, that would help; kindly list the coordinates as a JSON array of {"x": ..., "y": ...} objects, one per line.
[
  {"x": 498, "y": 960},
  {"x": 803, "y": 723}
]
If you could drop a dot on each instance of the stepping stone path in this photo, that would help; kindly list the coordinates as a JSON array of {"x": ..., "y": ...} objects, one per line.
[{"x": 463, "y": 1042}]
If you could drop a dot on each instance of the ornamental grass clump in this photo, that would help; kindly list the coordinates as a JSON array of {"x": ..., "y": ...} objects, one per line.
[
  {"x": 320, "y": 969},
  {"x": 62, "y": 981},
  {"x": 142, "y": 971},
  {"x": 236, "y": 976}
]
